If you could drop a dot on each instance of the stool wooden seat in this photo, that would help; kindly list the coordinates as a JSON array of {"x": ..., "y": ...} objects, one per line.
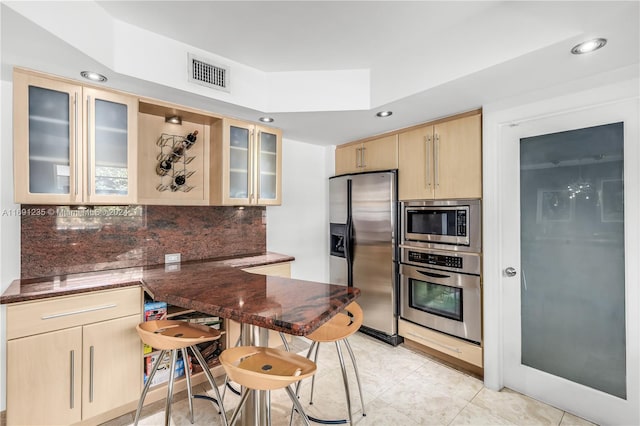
[
  {"x": 171, "y": 335},
  {"x": 262, "y": 368},
  {"x": 337, "y": 330}
]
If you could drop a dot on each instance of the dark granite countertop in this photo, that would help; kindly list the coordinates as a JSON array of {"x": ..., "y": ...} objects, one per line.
[
  {"x": 23, "y": 290},
  {"x": 216, "y": 287},
  {"x": 283, "y": 304}
]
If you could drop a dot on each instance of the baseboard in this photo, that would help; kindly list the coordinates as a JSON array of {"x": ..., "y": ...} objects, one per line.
[
  {"x": 453, "y": 362},
  {"x": 393, "y": 340}
]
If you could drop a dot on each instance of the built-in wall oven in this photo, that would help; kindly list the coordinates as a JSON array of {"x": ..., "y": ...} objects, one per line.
[
  {"x": 440, "y": 266},
  {"x": 441, "y": 290}
]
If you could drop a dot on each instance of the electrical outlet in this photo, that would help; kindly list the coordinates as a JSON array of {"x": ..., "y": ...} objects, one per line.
[{"x": 172, "y": 258}]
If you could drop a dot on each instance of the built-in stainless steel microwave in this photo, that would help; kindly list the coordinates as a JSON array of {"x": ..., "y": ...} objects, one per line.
[{"x": 443, "y": 224}]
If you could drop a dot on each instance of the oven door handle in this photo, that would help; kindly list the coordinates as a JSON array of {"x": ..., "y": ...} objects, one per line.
[{"x": 433, "y": 275}]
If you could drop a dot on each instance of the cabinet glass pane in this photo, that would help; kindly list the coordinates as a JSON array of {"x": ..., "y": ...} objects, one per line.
[
  {"x": 49, "y": 141},
  {"x": 573, "y": 257},
  {"x": 268, "y": 165},
  {"x": 238, "y": 162},
  {"x": 111, "y": 124}
]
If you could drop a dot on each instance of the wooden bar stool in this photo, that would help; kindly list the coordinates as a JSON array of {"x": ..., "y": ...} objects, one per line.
[
  {"x": 337, "y": 330},
  {"x": 227, "y": 383},
  {"x": 169, "y": 335},
  {"x": 262, "y": 368}
]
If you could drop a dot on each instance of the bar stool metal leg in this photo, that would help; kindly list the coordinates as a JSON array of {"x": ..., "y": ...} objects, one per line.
[
  {"x": 167, "y": 408},
  {"x": 297, "y": 405},
  {"x": 147, "y": 386},
  {"x": 187, "y": 374},
  {"x": 211, "y": 380},
  {"x": 355, "y": 369},
  {"x": 236, "y": 412},
  {"x": 346, "y": 381},
  {"x": 315, "y": 359}
]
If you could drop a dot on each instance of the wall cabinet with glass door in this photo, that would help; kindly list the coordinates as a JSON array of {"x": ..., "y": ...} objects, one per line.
[
  {"x": 248, "y": 159},
  {"x": 375, "y": 154},
  {"x": 73, "y": 144},
  {"x": 442, "y": 160}
]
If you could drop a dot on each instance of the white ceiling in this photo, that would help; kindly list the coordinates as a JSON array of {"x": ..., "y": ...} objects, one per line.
[{"x": 425, "y": 59}]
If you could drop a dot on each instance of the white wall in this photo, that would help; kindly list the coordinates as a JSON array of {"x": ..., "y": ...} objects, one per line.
[
  {"x": 9, "y": 223},
  {"x": 299, "y": 227}
]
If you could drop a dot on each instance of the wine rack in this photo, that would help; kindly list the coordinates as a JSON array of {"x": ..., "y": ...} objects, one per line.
[{"x": 175, "y": 178}]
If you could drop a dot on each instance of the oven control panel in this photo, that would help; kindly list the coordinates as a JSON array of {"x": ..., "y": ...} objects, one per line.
[
  {"x": 445, "y": 260},
  {"x": 435, "y": 259}
]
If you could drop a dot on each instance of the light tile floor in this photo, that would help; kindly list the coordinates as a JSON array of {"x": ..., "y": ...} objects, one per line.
[{"x": 400, "y": 386}]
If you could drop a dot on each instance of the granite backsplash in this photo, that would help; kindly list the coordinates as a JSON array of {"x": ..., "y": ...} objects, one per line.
[{"x": 62, "y": 240}]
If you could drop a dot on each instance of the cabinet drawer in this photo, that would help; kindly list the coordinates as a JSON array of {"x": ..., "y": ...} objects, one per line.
[
  {"x": 29, "y": 318},
  {"x": 451, "y": 346}
]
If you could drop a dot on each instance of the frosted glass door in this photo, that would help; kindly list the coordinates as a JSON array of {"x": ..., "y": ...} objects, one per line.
[
  {"x": 573, "y": 256},
  {"x": 268, "y": 166},
  {"x": 111, "y": 148},
  {"x": 49, "y": 141},
  {"x": 239, "y": 161}
]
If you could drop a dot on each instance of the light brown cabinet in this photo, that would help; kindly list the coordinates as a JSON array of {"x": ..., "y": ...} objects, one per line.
[
  {"x": 248, "y": 161},
  {"x": 232, "y": 163},
  {"x": 441, "y": 161},
  {"x": 375, "y": 154},
  {"x": 73, "y": 357},
  {"x": 73, "y": 144},
  {"x": 157, "y": 140}
]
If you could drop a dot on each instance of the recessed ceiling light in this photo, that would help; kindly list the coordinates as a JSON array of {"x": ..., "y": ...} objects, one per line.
[
  {"x": 588, "y": 46},
  {"x": 93, "y": 76},
  {"x": 384, "y": 113},
  {"x": 266, "y": 119}
]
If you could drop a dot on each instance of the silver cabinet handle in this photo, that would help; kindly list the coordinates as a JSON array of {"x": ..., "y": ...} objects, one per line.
[
  {"x": 363, "y": 162},
  {"x": 357, "y": 157},
  {"x": 256, "y": 166},
  {"x": 451, "y": 348},
  {"x": 427, "y": 160},
  {"x": 88, "y": 146},
  {"x": 250, "y": 176},
  {"x": 91, "y": 374},
  {"x": 436, "y": 160},
  {"x": 72, "y": 375},
  {"x": 75, "y": 144},
  {"x": 80, "y": 311},
  {"x": 510, "y": 272}
]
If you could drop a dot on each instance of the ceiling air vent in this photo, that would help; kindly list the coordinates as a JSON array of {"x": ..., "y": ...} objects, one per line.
[{"x": 205, "y": 73}]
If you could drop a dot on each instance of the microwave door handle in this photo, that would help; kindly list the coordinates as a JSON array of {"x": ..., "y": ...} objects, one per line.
[{"x": 433, "y": 275}]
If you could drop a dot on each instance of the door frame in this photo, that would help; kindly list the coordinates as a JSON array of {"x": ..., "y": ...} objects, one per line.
[{"x": 498, "y": 118}]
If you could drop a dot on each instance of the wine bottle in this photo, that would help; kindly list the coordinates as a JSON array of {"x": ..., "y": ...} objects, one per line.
[
  {"x": 163, "y": 167},
  {"x": 189, "y": 140},
  {"x": 178, "y": 181}
]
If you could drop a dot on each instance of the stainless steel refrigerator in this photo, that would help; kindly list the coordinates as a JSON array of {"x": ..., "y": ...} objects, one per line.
[{"x": 363, "y": 246}]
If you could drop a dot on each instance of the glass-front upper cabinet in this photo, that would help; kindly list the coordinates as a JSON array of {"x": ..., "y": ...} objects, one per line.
[
  {"x": 251, "y": 165},
  {"x": 111, "y": 149},
  {"x": 239, "y": 162},
  {"x": 46, "y": 136},
  {"x": 269, "y": 165},
  {"x": 72, "y": 144}
]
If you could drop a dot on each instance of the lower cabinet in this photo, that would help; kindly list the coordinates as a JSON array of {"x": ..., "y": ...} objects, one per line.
[
  {"x": 111, "y": 367},
  {"x": 81, "y": 371},
  {"x": 456, "y": 348}
]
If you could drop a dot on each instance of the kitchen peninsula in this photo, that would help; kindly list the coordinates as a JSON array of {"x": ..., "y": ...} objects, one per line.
[{"x": 77, "y": 303}]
